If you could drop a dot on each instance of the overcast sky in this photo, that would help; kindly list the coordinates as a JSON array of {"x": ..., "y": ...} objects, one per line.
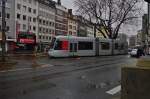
[{"x": 130, "y": 30}]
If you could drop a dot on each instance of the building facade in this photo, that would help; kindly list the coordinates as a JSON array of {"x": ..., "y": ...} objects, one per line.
[
  {"x": 90, "y": 30},
  {"x": 81, "y": 29},
  {"x": 46, "y": 21},
  {"x": 61, "y": 19},
  {"x": 26, "y": 13},
  {"x": 132, "y": 41},
  {"x": 139, "y": 40},
  {"x": 72, "y": 23},
  {"x": 122, "y": 37},
  {"x": 9, "y": 10}
]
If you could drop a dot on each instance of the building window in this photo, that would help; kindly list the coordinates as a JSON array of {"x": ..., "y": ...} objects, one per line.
[
  {"x": 74, "y": 27},
  {"x": 53, "y": 24},
  {"x": 7, "y": 28},
  {"x": 34, "y": 28},
  {"x": 70, "y": 33},
  {"x": 46, "y": 22},
  {"x": 0, "y": 14},
  {"x": 40, "y": 29},
  {"x": 50, "y": 31},
  {"x": 43, "y": 22},
  {"x": 24, "y": 17},
  {"x": 30, "y": 27},
  {"x": 40, "y": 21},
  {"x": 34, "y": 11},
  {"x": 85, "y": 45},
  {"x": 46, "y": 30},
  {"x": 105, "y": 46},
  {"x": 70, "y": 26},
  {"x": 49, "y": 38},
  {"x": 24, "y": 27},
  {"x": 34, "y": 19},
  {"x": 18, "y": 16},
  {"x": 29, "y": 9},
  {"x": 8, "y": 15},
  {"x": 43, "y": 30},
  {"x": 24, "y": 8},
  {"x": 29, "y": 19},
  {"x": 50, "y": 23},
  {"x": 40, "y": 37},
  {"x": 43, "y": 37},
  {"x": 18, "y": 6}
]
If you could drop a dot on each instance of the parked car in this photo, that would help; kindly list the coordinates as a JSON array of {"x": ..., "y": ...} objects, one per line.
[
  {"x": 133, "y": 52},
  {"x": 129, "y": 51}
]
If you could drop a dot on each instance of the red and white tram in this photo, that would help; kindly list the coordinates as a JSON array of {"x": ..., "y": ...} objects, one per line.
[{"x": 68, "y": 46}]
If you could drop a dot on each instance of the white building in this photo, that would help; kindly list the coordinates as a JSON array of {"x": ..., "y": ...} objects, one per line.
[
  {"x": 46, "y": 19},
  {"x": 72, "y": 23},
  {"x": 61, "y": 19},
  {"x": 9, "y": 10},
  {"x": 26, "y": 13},
  {"x": 90, "y": 30}
]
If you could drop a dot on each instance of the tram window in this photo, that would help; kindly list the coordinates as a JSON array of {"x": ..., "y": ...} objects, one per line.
[
  {"x": 116, "y": 46},
  {"x": 105, "y": 46},
  {"x": 85, "y": 45},
  {"x": 75, "y": 47},
  {"x": 58, "y": 45},
  {"x": 71, "y": 47},
  {"x": 61, "y": 45}
]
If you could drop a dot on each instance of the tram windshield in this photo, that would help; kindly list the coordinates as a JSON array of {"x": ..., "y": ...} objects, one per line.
[{"x": 52, "y": 43}]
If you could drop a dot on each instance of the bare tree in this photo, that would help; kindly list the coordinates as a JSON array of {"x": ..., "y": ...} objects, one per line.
[{"x": 109, "y": 15}]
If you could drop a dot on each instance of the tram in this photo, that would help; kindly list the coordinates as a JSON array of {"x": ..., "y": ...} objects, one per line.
[{"x": 68, "y": 46}]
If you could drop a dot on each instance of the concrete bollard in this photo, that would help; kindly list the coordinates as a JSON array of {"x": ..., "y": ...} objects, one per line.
[{"x": 135, "y": 83}]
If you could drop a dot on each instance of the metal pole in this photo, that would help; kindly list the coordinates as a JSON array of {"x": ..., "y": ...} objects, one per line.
[
  {"x": 3, "y": 31},
  {"x": 95, "y": 30},
  {"x": 148, "y": 30}
]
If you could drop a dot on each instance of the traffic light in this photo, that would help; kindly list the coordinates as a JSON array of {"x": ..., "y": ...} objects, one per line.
[{"x": 147, "y": 1}]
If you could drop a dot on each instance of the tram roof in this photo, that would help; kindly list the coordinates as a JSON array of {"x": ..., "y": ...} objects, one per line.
[{"x": 74, "y": 37}]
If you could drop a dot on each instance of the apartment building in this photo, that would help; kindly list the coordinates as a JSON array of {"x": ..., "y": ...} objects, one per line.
[
  {"x": 61, "y": 20},
  {"x": 26, "y": 13},
  {"x": 72, "y": 23},
  {"x": 9, "y": 19},
  {"x": 46, "y": 21}
]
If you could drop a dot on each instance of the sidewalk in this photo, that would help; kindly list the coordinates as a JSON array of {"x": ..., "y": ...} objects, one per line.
[
  {"x": 27, "y": 54},
  {"x": 144, "y": 61}
]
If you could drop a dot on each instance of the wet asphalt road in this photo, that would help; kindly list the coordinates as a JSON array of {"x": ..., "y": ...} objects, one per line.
[{"x": 63, "y": 78}]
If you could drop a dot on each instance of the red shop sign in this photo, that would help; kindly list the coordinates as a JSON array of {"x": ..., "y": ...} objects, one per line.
[{"x": 27, "y": 41}]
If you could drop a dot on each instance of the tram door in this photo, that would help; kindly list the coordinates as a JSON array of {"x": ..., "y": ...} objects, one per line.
[{"x": 73, "y": 48}]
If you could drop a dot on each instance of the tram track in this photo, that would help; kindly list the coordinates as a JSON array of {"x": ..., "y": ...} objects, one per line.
[
  {"x": 33, "y": 83},
  {"x": 58, "y": 74}
]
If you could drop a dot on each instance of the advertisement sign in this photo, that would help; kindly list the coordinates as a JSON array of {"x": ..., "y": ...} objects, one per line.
[{"x": 27, "y": 41}]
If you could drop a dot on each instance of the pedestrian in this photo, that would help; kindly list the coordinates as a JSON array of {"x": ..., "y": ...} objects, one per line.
[{"x": 138, "y": 53}]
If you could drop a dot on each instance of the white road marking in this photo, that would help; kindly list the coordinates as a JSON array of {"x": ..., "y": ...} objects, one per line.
[{"x": 114, "y": 90}]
